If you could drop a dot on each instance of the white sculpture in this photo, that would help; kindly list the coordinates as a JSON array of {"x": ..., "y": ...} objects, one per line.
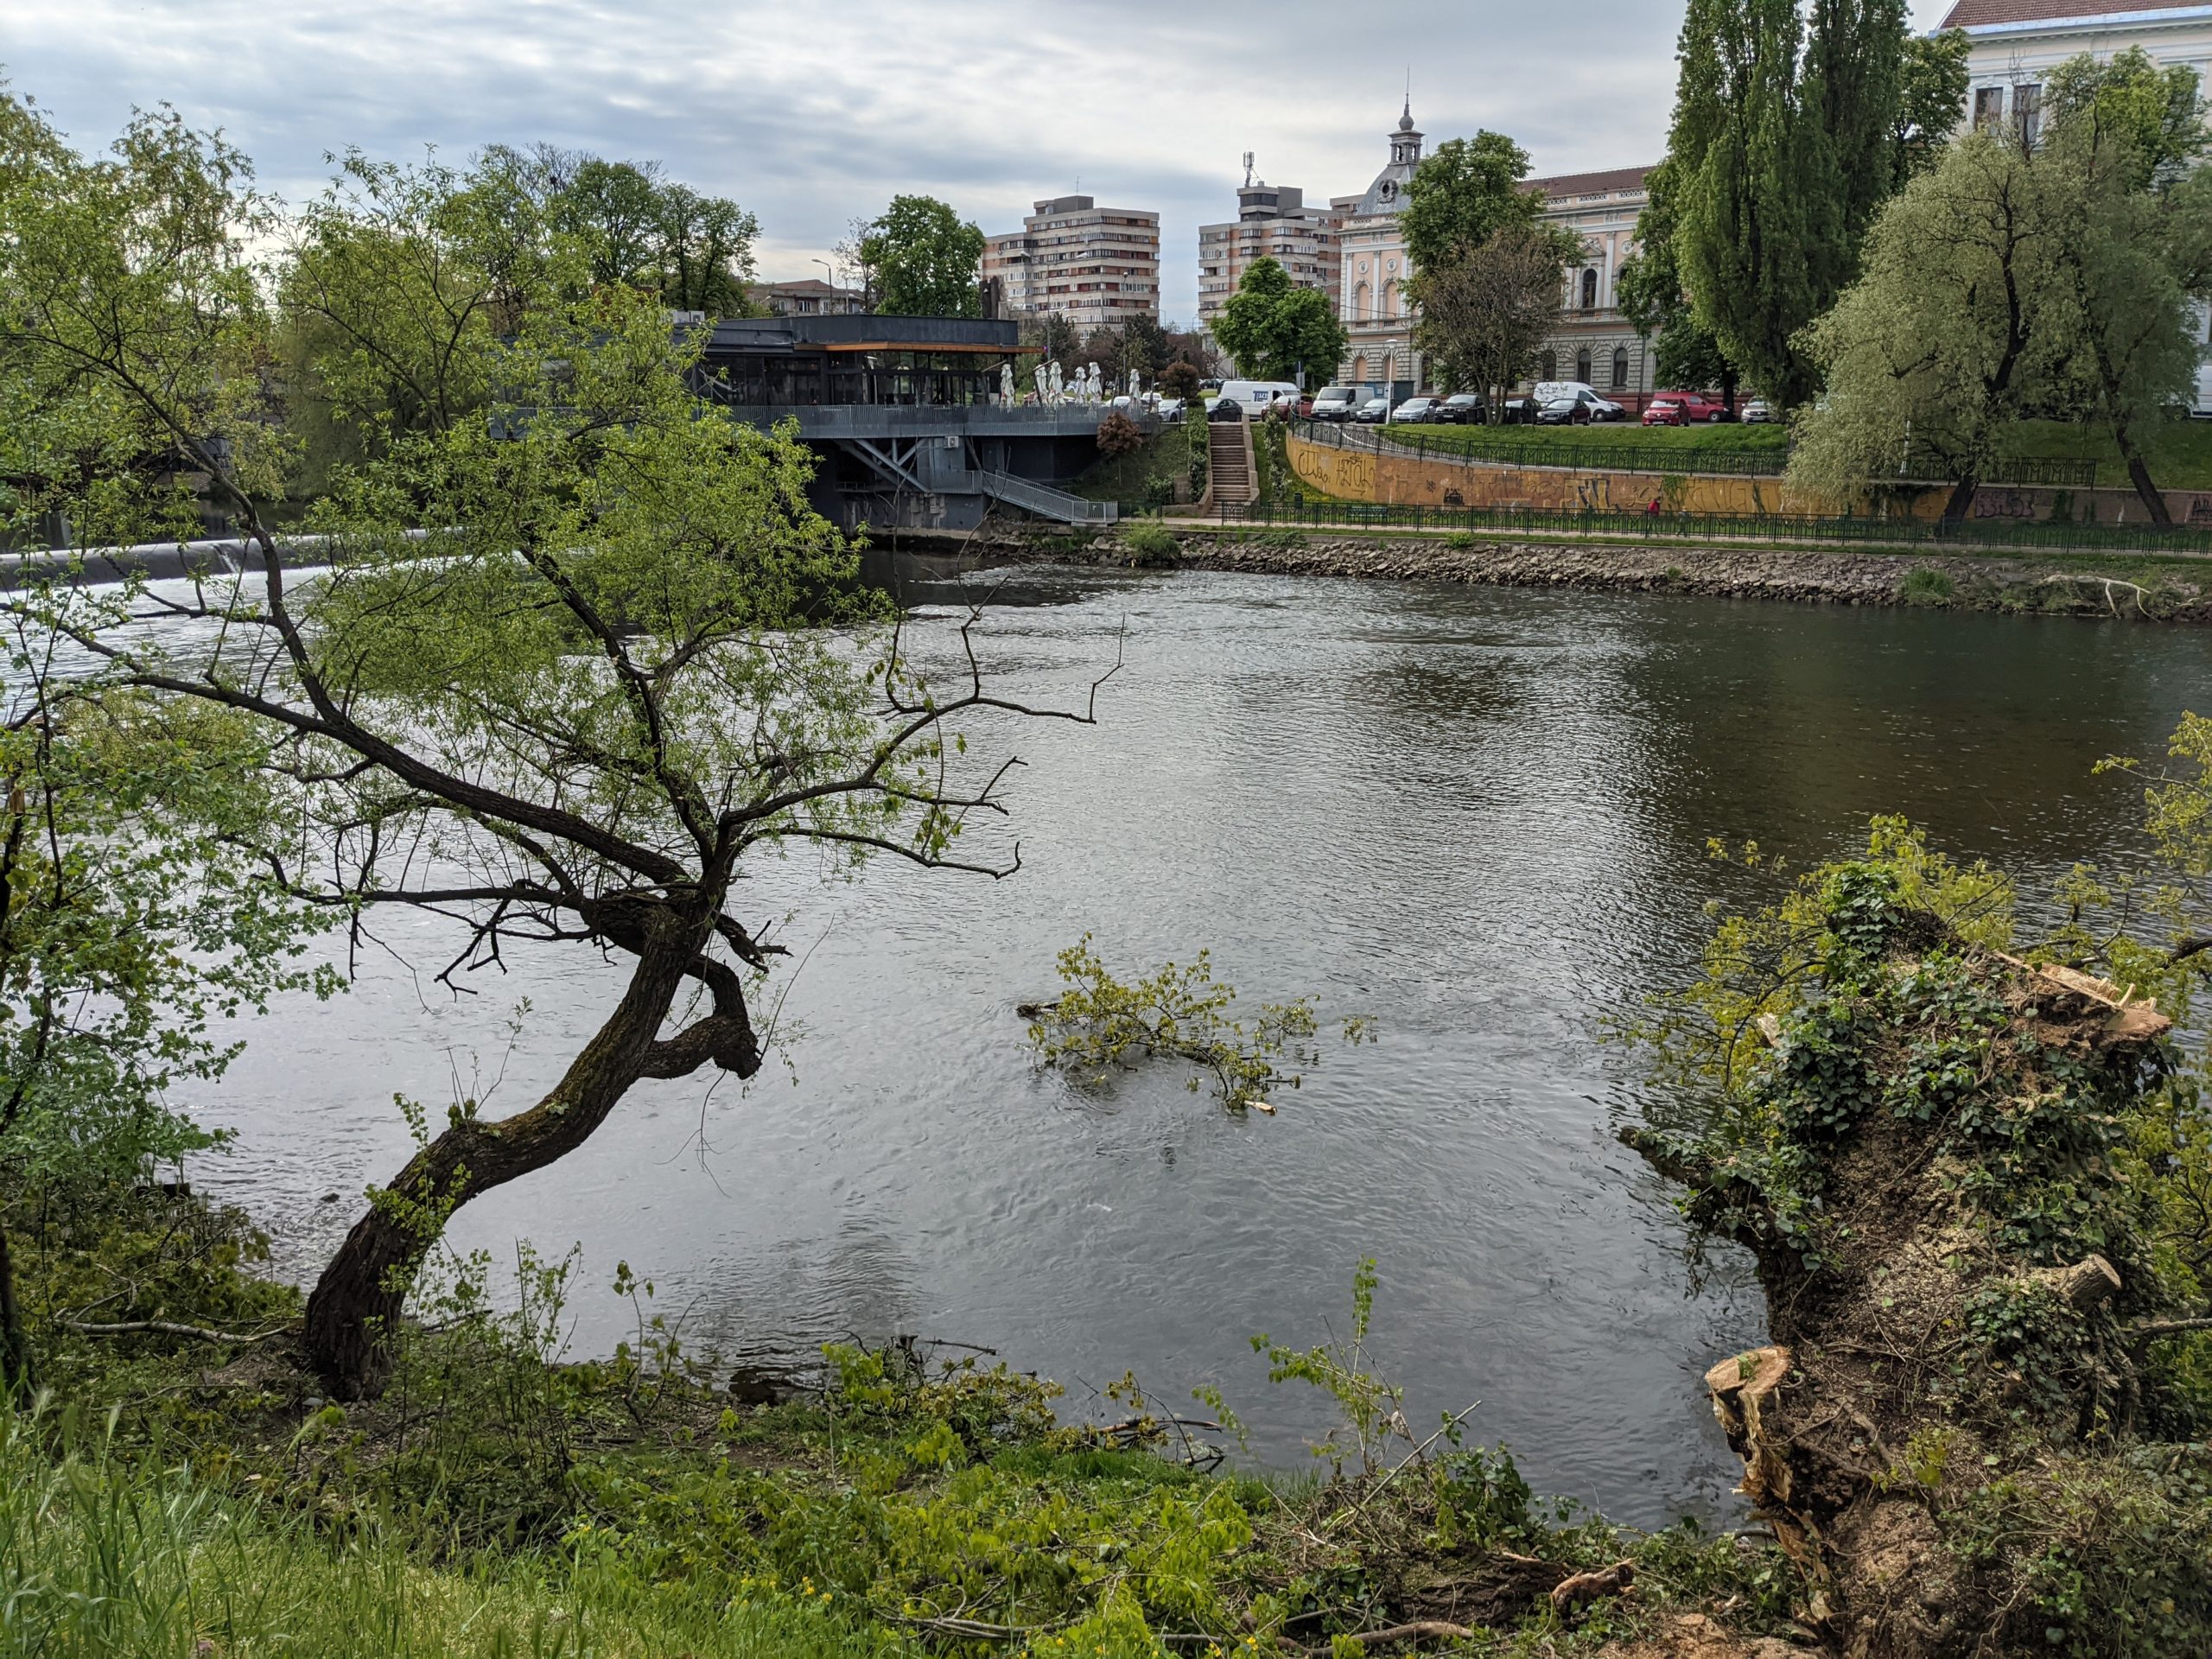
[
  {"x": 1038, "y": 375},
  {"x": 1006, "y": 385},
  {"x": 1132, "y": 385},
  {"x": 1059, "y": 386}
]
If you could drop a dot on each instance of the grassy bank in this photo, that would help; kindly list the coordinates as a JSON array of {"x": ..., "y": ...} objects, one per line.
[{"x": 200, "y": 1498}]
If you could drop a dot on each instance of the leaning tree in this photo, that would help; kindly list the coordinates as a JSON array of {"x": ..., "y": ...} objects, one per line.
[{"x": 553, "y": 663}]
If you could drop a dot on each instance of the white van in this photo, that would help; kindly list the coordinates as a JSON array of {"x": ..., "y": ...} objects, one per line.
[{"x": 1255, "y": 397}]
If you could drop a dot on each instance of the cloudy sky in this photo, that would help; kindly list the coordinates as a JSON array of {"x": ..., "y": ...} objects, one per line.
[{"x": 811, "y": 115}]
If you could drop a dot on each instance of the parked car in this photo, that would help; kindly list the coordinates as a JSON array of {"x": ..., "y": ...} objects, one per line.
[
  {"x": 1583, "y": 394},
  {"x": 1578, "y": 409},
  {"x": 1518, "y": 411},
  {"x": 1336, "y": 404},
  {"x": 1373, "y": 413},
  {"x": 1757, "y": 412},
  {"x": 1415, "y": 412},
  {"x": 1169, "y": 409},
  {"x": 1463, "y": 409},
  {"x": 1684, "y": 409},
  {"x": 1224, "y": 408}
]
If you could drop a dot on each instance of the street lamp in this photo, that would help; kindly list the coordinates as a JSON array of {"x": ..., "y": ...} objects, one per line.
[{"x": 831, "y": 271}]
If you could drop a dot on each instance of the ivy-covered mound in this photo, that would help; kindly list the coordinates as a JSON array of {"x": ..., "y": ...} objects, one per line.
[{"x": 1978, "y": 1429}]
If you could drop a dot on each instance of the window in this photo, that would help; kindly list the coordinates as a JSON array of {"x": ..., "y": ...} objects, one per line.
[
  {"x": 1590, "y": 290},
  {"x": 1620, "y": 368},
  {"x": 1359, "y": 303},
  {"x": 1582, "y": 365},
  {"x": 1359, "y": 369},
  {"x": 1988, "y": 108},
  {"x": 1548, "y": 366},
  {"x": 2027, "y": 114}
]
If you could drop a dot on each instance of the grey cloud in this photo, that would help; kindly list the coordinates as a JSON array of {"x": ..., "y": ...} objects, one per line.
[{"x": 813, "y": 116}]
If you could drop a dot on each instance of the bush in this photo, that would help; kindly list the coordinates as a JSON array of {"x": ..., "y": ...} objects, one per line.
[
  {"x": 1926, "y": 589},
  {"x": 1151, "y": 544},
  {"x": 1119, "y": 436}
]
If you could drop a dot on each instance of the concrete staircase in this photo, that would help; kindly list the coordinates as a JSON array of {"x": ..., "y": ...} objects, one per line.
[{"x": 1232, "y": 476}]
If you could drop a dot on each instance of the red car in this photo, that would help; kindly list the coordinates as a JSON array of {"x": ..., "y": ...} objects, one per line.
[{"x": 1684, "y": 408}]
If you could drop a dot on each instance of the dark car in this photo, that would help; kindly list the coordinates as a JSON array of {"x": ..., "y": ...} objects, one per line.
[
  {"x": 1463, "y": 409},
  {"x": 1579, "y": 407},
  {"x": 1225, "y": 408},
  {"x": 1373, "y": 413}
]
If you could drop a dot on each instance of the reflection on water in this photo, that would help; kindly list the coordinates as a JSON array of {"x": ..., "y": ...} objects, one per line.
[{"x": 1478, "y": 816}]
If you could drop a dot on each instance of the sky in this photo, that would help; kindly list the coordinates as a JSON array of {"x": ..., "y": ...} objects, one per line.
[{"x": 813, "y": 116}]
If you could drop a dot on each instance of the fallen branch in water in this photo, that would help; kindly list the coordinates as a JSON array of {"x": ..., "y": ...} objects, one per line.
[{"x": 165, "y": 1328}]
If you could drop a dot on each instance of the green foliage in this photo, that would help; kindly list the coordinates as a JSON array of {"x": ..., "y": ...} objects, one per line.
[
  {"x": 1939, "y": 347},
  {"x": 1151, "y": 544},
  {"x": 1486, "y": 309},
  {"x": 1466, "y": 191},
  {"x": 921, "y": 260},
  {"x": 1102, "y": 1025},
  {"x": 1653, "y": 298},
  {"x": 1370, "y": 1406},
  {"x": 1925, "y": 585},
  {"x": 1275, "y": 330},
  {"x": 1785, "y": 139}
]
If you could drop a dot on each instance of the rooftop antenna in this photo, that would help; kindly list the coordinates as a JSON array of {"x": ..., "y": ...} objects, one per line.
[{"x": 1248, "y": 170}]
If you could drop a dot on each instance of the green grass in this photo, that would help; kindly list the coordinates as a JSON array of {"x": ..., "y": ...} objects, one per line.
[
  {"x": 105, "y": 1558},
  {"x": 2179, "y": 451},
  {"x": 1728, "y": 439}
]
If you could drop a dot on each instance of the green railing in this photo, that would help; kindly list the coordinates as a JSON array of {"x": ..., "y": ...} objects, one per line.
[{"x": 2019, "y": 534}]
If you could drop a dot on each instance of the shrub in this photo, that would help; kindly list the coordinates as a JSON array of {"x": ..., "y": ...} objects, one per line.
[
  {"x": 1119, "y": 436},
  {"x": 1151, "y": 544},
  {"x": 1926, "y": 587}
]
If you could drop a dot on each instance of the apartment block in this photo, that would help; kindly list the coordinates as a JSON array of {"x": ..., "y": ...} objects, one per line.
[
  {"x": 1096, "y": 266},
  {"x": 1272, "y": 221}
]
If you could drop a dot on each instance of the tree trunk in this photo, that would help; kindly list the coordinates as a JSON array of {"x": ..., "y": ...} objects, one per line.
[
  {"x": 15, "y": 1376},
  {"x": 1962, "y": 501},
  {"x": 2138, "y": 473},
  {"x": 357, "y": 1302}
]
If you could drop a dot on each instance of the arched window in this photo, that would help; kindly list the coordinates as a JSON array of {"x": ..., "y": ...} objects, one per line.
[
  {"x": 1359, "y": 303},
  {"x": 1589, "y": 290},
  {"x": 1359, "y": 369},
  {"x": 1620, "y": 368},
  {"x": 1582, "y": 365},
  {"x": 1389, "y": 300},
  {"x": 1548, "y": 366}
]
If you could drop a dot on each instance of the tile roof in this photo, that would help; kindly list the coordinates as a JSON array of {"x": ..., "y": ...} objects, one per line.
[
  {"x": 1591, "y": 184},
  {"x": 1985, "y": 14}
]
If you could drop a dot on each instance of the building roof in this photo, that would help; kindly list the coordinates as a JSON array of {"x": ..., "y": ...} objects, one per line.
[
  {"x": 1996, "y": 14},
  {"x": 1592, "y": 184},
  {"x": 801, "y": 285}
]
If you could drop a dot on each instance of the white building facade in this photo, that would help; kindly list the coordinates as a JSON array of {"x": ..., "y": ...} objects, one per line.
[{"x": 2013, "y": 45}]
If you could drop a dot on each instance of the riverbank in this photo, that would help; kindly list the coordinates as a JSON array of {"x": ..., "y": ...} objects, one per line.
[{"x": 2143, "y": 589}]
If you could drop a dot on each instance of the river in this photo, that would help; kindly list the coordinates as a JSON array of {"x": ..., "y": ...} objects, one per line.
[{"x": 1478, "y": 816}]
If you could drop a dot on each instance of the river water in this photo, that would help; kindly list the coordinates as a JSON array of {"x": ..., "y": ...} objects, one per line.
[{"x": 1478, "y": 816}]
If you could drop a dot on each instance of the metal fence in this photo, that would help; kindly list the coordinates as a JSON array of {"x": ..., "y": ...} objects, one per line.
[
  {"x": 2008, "y": 534},
  {"x": 1487, "y": 447}
]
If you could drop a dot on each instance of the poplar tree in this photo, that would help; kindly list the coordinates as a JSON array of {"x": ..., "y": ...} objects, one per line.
[{"x": 1785, "y": 143}]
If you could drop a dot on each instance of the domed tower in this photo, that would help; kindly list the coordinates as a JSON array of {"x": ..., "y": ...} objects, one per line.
[{"x": 1388, "y": 194}]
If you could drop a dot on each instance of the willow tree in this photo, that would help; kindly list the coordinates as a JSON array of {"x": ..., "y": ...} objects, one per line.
[{"x": 554, "y": 668}]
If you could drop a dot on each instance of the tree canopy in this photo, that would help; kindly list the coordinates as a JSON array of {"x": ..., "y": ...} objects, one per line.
[
  {"x": 2025, "y": 274},
  {"x": 1275, "y": 330},
  {"x": 920, "y": 259},
  {"x": 1792, "y": 126},
  {"x": 1466, "y": 192},
  {"x": 1485, "y": 310},
  {"x": 564, "y": 648}
]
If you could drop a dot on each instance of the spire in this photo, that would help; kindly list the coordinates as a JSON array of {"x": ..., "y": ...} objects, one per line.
[{"x": 1406, "y": 120}]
